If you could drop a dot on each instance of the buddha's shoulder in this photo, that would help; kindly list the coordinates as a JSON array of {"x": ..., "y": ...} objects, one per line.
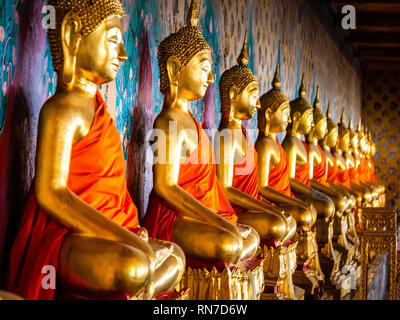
[
  {"x": 266, "y": 142},
  {"x": 169, "y": 117},
  {"x": 65, "y": 105},
  {"x": 290, "y": 141}
]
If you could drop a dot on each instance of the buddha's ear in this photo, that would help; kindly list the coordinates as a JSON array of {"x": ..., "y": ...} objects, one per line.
[
  {"x": 296, "y": 117},
  {"x": 268, "y": 115},
  {"x": 173, "y": 69},
  {"x": 233, "y": 93},
  {"x": 70, "y": 38}
]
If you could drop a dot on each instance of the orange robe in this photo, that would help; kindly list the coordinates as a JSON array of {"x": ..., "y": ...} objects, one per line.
[
  {"x": 319, "y": 172},
  {"x": 354, "y": 175},
  {"x": 303, "y": 172},
  {"x": 333, "y": 173},
  {"x": 371, "y": 170},
  {"x": 197, "y": 176},
  {"x": 278, "y": 177},
  {"x": 245, "y": 174},
  {"x": 344, "y": 178},
  {"x": 97, "y": 176}
]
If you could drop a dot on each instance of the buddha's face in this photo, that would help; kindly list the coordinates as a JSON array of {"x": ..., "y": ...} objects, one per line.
[
  {"x": 246, "y": 103},
  {"x": 101, "y": 53},
  {"x": 280, "y": 119},
  {"x": 344, "y": 141},
  {"x": 320, "y": 129},
  {"x": 332, "y": 138},
  {"x": 373, "y": 149},
  {"x": 354, "y": 142},
  {"x": 306, "y": 122},
  {"x": 195, "y": 77},
  {"x": 363, "y": 144}
]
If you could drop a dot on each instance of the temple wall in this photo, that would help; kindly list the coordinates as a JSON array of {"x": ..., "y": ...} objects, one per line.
[
  {"x": 381, "y": 113},
  {"x": 279, "y": 30}
]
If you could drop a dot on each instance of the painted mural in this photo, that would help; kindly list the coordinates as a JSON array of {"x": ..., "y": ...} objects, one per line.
[
  {"x": 381, "y": 112},
  {"x": 279, "y": 30}
]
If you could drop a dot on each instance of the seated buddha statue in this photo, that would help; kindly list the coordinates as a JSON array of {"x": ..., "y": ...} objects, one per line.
[
  {"x": 79, "y": 218},
  {"x": 187, "y": 204},
  {"x": 237, "y": 162},
  {"x": 369, "y": 152},
  {"x": 353, "y": 162},
  {"x": 343, "y": 200},
  {"x": 328, "y": 143},
  {"x": 273, "y": 176},
  {"x": 360, "y": 157},
  {"x": 236, "y": 158},
  {"x": 299, "y": 167}
]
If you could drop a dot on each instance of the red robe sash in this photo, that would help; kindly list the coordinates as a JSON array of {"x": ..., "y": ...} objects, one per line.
[
  {"x": 333, "y": 173},
  {"x": 278, "y": 177},
  {"x": 245, "y": 174},
  {"x": 344, "y": 178},
  {"x": 198, "y": 177},
  {"x": 303, "y": 172},
  {"x": 97, "y": 176},
  {"x": 354, "y": 175},
  {"x": 371, "y": 170},
  {"x": 319, "y": 172}
]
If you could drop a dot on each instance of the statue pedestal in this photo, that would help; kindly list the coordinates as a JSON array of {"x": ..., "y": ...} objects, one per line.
[
  {"x": 279, "y": 266},
  {"x": 244, "y": 281},
  {"x": 308, "y": 274}
]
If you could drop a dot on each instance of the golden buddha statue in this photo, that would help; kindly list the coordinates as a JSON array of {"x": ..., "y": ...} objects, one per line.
[
  {"x": 345, "y": 240},
  {"x": 188, "y": 204},
  {"x": 360, "y": 154},
  {"x": 273, "y": 181},
  {"x": 237, "y": 168},
  {"x": 369, "y": 167},
  {"x": 299, "y": 168},
  {"x": 353, "y": 161},
  {"x": 80, "y": 218}
]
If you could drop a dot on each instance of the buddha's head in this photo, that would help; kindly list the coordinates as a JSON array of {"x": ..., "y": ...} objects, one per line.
[
  {"x": 362, "y": 138},
  {"x": 274, "y": 114},
  {"x": 319, "y": 120},
  {"x": 239, "y": 90},
  {"x": 185, "y": 61},
  {"x": 87, "y": 42},
  {"x": 353, "y": 136},
  {"x": 372, "y": 146},
  {"x": 344, "y": 134},
  {"x": 301, "y": 113},
  {"x": 332, "y": 134}
]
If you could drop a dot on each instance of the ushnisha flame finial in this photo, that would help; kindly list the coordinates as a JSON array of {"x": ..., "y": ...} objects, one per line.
[
  {"x": 302, "y": 90},
  {"x": 193, "y": 16},
  {"x": 276, "y": 82},
  {"x": 328, "y": 111},
  {"x": 342, "y": 120},
  {"x": 317, "y": 104},
  {"x": 351, "y": 123},
  {"x": 243, "y": 59},
  {"x": 359, "y": 126}
]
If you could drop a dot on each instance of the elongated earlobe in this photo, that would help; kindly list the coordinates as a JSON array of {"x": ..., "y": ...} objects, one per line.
[{"x": 70, "y": 39}]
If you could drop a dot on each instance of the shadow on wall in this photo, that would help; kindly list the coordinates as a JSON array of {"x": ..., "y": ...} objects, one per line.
[{"x": 18, "y": 139}]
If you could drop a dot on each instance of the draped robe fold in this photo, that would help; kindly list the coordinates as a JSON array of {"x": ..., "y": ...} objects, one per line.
[
  {"x": 197, "y": 176},
  {"x": 302, "y": 173},
  {"x": 333, "y": 173},
  {"x": 245, "y": 174},
  {"x": 319, "y": 172},
  {"x": 278, "y": 177},
  {"x": 97, "y": 176}
]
